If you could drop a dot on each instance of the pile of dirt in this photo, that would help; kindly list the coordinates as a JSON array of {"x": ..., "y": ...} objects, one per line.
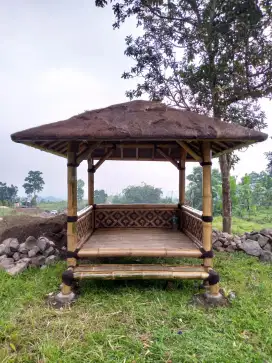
[{"x": 23, "y": 226}]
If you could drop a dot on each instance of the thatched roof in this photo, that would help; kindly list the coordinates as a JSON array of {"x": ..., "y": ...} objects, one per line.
[{"x": 137, "y": 122}]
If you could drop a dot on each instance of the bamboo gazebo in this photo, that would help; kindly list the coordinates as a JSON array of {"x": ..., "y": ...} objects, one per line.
[{"x": 138, "y": 130}]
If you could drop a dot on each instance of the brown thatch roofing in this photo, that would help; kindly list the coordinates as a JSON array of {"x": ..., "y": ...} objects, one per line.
[{"x": 138, "y": 122}]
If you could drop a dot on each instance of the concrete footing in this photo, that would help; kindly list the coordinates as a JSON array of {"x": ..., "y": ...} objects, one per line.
[
  {"x": 60, "y": 300},
  {"x": 208, "y": 300}
]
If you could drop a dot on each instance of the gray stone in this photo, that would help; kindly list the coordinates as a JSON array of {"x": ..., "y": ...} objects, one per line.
[
  {"x": 267, "y": 231},
  {"x": 267, "y": 247},
  {"x": 262, "y": 240},
  {"x": 3, "y": 257},
  {"x": 65, "y": 299},
  {"x": 51, "y": 243},
  {"x": 33, "y": 252},
  {"x": 37, "y": 261},
  {"x": 30, "y": 243},
  {"x": 14, "y": 245},
  {"x": 217, "y": 244},
  {"x": 222, "y": 239},
  {"x": 63, "y": 248},
  {"x": 219, "y": 249},
  {"x": 227, "y": 235},
  {"x": 6, "y": 263},
  {"x": 251, "y": 247},
  {"x": 253, "y": 237},
  {"x": 51, "y": 260},
  {"x": 266, "y": 256},
  {"x": 233, "y": 244},
  {"x": 49, "y": 251},
  {"x": 43, "y": 243},
  {"x": 23, "y": 255},
  {"x": 2, "y": 249},
  {"x": 23, "y": 249},
  {"x": 18, "y": 268},
  {"x": 230, "y": 248},
  {"x": 16, "y": 256},
  {"x": 237, "y": 240},
  {"x": 26, "y": 259}
]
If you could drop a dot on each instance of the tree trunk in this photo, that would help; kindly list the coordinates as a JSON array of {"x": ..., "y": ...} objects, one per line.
[{"x": 226, "y": 199}]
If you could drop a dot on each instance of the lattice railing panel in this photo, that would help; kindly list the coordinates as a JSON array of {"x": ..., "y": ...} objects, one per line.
[
  {"x": 85, "y": 223},
  {"x": 119, "y": 218},
  {"x": 192, "y": 223}
]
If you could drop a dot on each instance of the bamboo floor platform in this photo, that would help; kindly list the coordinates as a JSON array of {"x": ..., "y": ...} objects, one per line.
[
  {"x": 138, "y": 242},
  {"x": 139, "y": 271}
]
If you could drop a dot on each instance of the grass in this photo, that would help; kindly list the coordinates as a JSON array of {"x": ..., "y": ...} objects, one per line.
[
  {"x": 5, "y": 211},
  {"x": 239, "y": 225},
  {"x": 138, "y": 321}
]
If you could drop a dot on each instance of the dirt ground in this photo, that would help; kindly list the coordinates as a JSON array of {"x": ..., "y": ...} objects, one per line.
[{"x": 23, "y": 226}]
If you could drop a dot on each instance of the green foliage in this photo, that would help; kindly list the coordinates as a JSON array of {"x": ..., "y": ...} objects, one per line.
[
  {"x": 33, "y": 183},
  {"x": 269, "y": 165},
  {"x": 138, "y": 321},
  {"x": 100, "y": 196},
  {"x": 80, "y": 190},
  {"x": 8, "y": 194}
]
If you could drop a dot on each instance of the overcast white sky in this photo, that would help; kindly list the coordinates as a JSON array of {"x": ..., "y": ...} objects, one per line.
[{"x": 60, "y": 58}]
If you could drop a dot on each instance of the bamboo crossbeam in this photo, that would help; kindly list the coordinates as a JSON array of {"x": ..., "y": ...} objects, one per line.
[
  {"x": 167, "y": 157},
  {"x": 138, "y": 206},
  {"x": 104, "y": 158},
  {"x": 116, "y": 272},
  {"x": 189, "y": 150},
  {"x": 139, "y": 267},
  {"x": 88, "y": 151},
  {"x": 134, "y": 252}
]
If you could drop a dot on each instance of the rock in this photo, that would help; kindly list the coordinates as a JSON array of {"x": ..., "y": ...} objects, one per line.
[
  {"x": 49, "y": 252},
  {"x": 233, "y": 244},
  {"x": 23, "y": 255},
  {"x": 236, "y": 240},
  {"x": 222, "y": 239},
  {"x": 219, "y": 249},
  {"x": 227, "y": 235},
  {"x": 251, "y": 247},
  {"x": 262, "y": 240},
  {"x": 51, "y": 259},
  {"x": 43, "y": 243},
  {"x": 26, "y": 259},
  {"x": 23, "y": 249},
  {"x": 14, "y": 245},
  {"x": 37, "y": 261},
  {"x": 51, "y": 243},
  {"x": 63, "y": 248},
  {"x": 217, "y": 244},
  {"x": 6, "y": 263},
  {"x": 253, "y": 237},
  {"x": 18, "y": 268},
  {"x": 30, "y": 243},
  {"x": 33, "y": 252},
  {"x": 266, "y": 256},
  {"x": 2, "y": 249},
  {"x": 230, "y": 248},
  {"x": 3, "y": 257},
  {"x": 16, "y": 256},
  {"x": 267, "y": 247},
  {"x": 266, "y": 231}
]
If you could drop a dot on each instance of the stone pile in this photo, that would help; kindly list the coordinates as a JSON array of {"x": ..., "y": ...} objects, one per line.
[
  {"x": 257, "y": 244},
  {"x": 15, "y": 257}
]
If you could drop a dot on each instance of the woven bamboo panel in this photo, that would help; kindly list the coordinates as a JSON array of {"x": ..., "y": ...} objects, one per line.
[
  {"x": 192, "y": 224},
  {"x": 134, "y": 218},
  {"x": 84, "y": 224}
]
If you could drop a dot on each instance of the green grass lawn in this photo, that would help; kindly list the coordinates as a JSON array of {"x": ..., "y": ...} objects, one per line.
[
  {"x": 138, "y": 321},
  {"x": 240, "y": 226}
]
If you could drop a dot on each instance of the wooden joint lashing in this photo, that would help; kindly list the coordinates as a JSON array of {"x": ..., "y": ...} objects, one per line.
[
  {"x": 72, "y": 219},
  {"x": 75, "y": 165},
  {"x": 207, "y": 219},
  {"x": 206, "y": 254},
  {"x": 68, "y": 277},
  {"x": 72, "y": 254},
  {"x": 205, "y": 163},
  {"x": 213, "y": 278},
  {"x": 180, "y": 205},
  {"x": 91, "y": 170}
]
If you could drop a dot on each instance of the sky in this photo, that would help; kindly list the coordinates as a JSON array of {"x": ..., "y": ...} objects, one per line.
[{"x": 60, "y": 58}]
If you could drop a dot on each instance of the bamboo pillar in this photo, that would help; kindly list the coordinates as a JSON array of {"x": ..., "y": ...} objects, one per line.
[
  {"x": 207, "y": 207},
  {"x": 72, "y": 207},
  {"x": 90, "y": 182},
  {"x": 182, "y": 182}
]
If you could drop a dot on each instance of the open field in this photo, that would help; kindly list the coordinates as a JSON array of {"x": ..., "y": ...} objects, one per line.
[{"x": 138, "y": 321}]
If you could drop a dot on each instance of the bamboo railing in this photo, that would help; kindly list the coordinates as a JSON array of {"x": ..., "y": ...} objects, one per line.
[
  {"x": 191, "y": 224},
  {"x": 85, "y": 224}
]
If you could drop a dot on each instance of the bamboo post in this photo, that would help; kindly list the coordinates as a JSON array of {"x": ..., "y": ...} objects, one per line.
[
  {"x": 182, "y": 182},
  {"x": 91, "y": 171},
  {"x": 207, "y": 208},
  {"x": 72, "y": 207}
]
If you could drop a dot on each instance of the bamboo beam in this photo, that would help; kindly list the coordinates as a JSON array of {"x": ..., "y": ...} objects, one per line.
[
  {"x": 167, "y": 157},
  {"x": 87, "y": 152},
  {"x": 189, "y": 150},
  {"x": 91, "y": 171},
  {"x": 104, "y": 158},
  {"x": 72, "y": 207}
]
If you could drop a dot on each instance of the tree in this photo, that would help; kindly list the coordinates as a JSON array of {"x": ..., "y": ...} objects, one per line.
[
  {"x": 100, "y": 196},
  {"x": 213, "y": 57},
  {"x": 143, "y": 193},
  {"x": 8, "y": 194},
  {"x": 80, "y": 190},
  {"x": 33, "y": 184},
  {"x": 269, "y": 165}
]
